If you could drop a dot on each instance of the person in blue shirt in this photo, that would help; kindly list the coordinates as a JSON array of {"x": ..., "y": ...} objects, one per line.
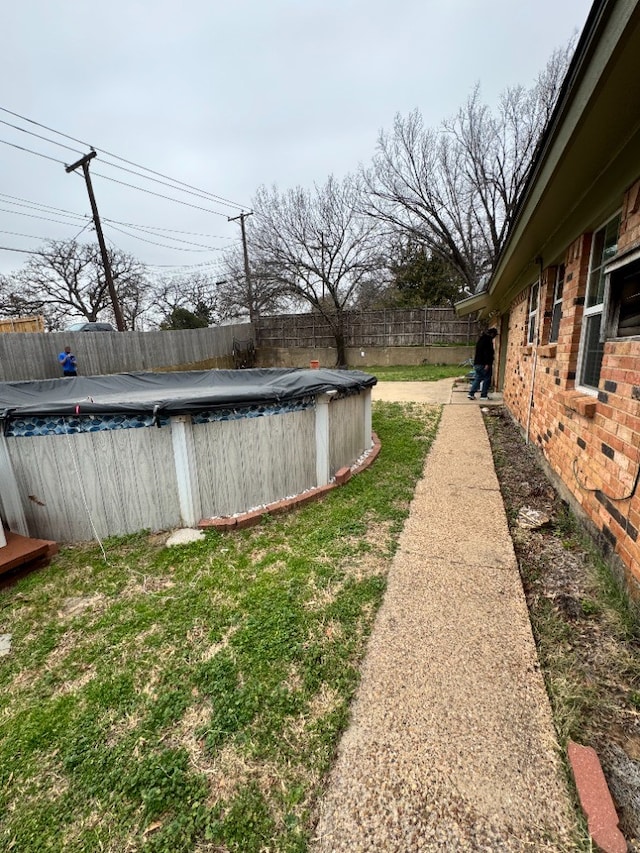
[{"x": 68, "y": 361}]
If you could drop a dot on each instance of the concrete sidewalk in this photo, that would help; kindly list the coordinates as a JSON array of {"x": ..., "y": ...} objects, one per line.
[
  {"x": 441, "y": 392},
  {"x": 451, "y": 745}
]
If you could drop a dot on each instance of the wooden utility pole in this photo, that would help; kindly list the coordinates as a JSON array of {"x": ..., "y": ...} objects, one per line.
[
  {"x": 84, "y": 162},
  {"x": 322, "y": 262},
  {"x": 247, "y": 273}
]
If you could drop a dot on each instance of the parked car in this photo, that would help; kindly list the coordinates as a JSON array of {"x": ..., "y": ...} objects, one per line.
[{"x": 90, "y": 327}]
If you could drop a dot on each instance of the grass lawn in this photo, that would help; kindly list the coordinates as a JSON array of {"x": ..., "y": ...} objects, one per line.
[
  {"x": 416, "y": 372},
  {"x": 191, "y": 698}
]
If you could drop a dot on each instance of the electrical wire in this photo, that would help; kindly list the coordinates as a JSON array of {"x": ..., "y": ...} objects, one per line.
[
  {"x": 171, "y": 266},
  {"x": 609, "y": 497},
  {"x": 163, "y": 245},
  {"x": 39, "y": 136},
  {"x": 36, "y": 205},
  {"x": 84, "y": 228},
  {"x": 158, "y": 195},
  {"x": 175, "y": 184},
  {"x": 31, "y": 151},
  {"x": 18, "y": 201},
  {"x": 21, "y": 251},
  {"x": 212, "y": 196},
  {"x": 45, "y": 218},
  {"x": 218, "y": 263},
  {"x": 151, "y": 229},
  {"x": 203, "y": 195},
  {"x": 19, "y": 234}
]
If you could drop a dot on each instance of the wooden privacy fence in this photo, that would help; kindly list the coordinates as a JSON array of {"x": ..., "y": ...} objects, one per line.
[
  {"x": 22, "y": 324},
  {"x": 35, "y": 356},
  {"x": 385, "y": 328}
]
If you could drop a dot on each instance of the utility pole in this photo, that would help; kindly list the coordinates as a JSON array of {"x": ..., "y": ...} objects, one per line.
[
  {"x": 247, "y": 273},
  {"x": 322, "y": 262},
  {"x": 84, "y": 162}
]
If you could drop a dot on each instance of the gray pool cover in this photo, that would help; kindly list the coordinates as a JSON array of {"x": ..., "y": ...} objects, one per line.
[{"x": 173, "y": 393}]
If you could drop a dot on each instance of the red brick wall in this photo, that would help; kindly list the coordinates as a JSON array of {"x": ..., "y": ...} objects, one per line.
[
  {"x": 630, "y": 225},
  {"x": 592, "y": 443}
]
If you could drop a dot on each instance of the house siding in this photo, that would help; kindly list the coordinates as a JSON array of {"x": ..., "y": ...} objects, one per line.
[{"x": 591, "y": 442}]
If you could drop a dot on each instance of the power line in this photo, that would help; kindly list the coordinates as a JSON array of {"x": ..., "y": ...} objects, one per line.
[
  {"x": 149, "y": 231},
  {"x": 215, "y": 264},
  {"x": 213, "y": 196},
  {"x": 175, "y": 184},
  {"x": 164, "y": 246},
  {"x": 18, "y": 201},
  {"x": 39, "y": 136},
  {"x": 158, "y": 195},
  {"x": 218, "y": 263},
  {"x": 21, "y": 251},
  {"x": 112, "y": 223},
  {"x": 31, "y": 151},
  {"x": 152, "y": 228},
  {"x": 198, "y": 194},
  {"x": 45, "y": 218},
  {"x": 84, "y": 228},
  {"x": 24, "y": 202},
  {"x": 37, "y": 237},
  {"x": 20, "y": 234}
]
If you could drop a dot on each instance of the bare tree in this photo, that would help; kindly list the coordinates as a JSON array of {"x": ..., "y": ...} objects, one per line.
[
  {"x": 455, "y": 189},
  {"x": 318, "y": 247},
  {"x": 13, "y": 303},
  {"x": 65, "y": 280},
  {"x": 264, "y": 296},
  {"x": 196, "y": 293}
]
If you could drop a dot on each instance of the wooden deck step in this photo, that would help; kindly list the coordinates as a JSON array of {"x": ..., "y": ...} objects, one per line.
[{"x": 21, "y": 550}]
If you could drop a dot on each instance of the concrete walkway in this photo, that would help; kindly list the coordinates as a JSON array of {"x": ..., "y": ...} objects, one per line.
[{"x": 451, "y": 745}]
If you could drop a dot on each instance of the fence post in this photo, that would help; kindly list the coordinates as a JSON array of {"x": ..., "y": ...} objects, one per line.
[
  {"x": 368, "y": 424},
  {"x": 322, "y": 439},
  {"x": 186, "y": 470},
  {"x": 11, "y": 501}
]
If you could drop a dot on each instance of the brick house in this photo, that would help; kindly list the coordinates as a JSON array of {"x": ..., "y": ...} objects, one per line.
[{"x": 565, "y": 294}]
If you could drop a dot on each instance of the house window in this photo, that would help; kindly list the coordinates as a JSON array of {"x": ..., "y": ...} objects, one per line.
[
  {"x": 556, "y": 310},
  {"x": 624, "y": 298},
  {"x": 534, "y": 296},
  {"x": 603, "y": 248}
]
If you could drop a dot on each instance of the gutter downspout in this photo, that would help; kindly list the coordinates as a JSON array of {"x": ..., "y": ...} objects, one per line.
[{"x": 539, "y": 261}]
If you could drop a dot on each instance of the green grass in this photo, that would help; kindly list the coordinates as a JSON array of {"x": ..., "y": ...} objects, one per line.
[
  {"x": 416, "y": 373},
  {"x": 192, "y": 698}
]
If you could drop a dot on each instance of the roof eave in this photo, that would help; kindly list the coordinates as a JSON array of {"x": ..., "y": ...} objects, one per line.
[
  {"x": 478, "y": 302},
  {"x": 551, "y": 193}
]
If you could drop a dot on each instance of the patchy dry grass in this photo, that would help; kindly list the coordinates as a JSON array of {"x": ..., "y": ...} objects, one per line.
[{"x": 191, "y": 699}]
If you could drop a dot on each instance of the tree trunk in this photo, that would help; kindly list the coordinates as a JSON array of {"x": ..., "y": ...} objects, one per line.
[{"x": 341, "y": 347}]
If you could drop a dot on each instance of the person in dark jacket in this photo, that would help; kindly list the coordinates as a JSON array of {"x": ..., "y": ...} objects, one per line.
[{"x": 483, "y": 365}]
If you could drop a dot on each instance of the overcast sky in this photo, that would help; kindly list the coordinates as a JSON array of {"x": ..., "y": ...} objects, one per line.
[{"x": 228, "y": 96}]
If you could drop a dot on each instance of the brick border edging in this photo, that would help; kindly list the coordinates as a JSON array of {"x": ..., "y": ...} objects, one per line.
[
  {"x": 595, "y": 798},
  {"x": 243, "y": 520}
]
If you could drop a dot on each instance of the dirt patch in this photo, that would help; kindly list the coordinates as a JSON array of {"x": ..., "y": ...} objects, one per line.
[
  {"x": 76, "y": 606},
  {"x": 146, "y": 585},
  {"x": 588, "y": 641}
]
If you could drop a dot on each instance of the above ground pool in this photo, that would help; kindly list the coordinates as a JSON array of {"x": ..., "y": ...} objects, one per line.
[{"x": 108, "y": 455}]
